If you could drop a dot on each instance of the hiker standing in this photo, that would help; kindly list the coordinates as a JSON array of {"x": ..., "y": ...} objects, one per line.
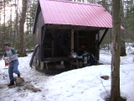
[{"x": 13, "y": 66}]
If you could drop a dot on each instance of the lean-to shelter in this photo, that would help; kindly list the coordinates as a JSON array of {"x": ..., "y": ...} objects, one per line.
[{"x": 63, "y": 26}]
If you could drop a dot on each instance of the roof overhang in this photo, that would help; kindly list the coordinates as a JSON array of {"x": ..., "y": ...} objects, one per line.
[
  {"x": 75, "y": 14},
  {"x": 53, "y": 26}
]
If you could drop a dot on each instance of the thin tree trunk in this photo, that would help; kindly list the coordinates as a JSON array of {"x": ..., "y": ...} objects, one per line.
[
  {"x": 123, "y": 48},
  {"x": 11, "y": 24},
  {"x": 22, "y": 49},
  {"x": 115, "y": 64},
  {"x": 1, "y": 25},
  {"x": 4, "y": 22},
  {"x": 16, "y": 32}
]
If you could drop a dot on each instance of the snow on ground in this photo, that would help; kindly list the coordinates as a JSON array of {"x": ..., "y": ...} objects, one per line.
[{"x": 82, "y": 84}]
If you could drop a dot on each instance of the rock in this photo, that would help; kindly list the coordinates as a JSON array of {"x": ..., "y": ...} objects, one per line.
[{"x": 105, "y": 77}]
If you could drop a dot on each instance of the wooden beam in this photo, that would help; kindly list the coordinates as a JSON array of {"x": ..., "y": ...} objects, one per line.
[
  {"x": 53, "y": 42},
  {"x": 102, "y": 36},
  {"x": 72, "y": 39}
]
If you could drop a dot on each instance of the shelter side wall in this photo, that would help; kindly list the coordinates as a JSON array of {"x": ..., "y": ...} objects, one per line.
[{"x": 38, "y": 31}]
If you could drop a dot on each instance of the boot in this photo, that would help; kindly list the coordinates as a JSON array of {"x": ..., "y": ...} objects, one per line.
[
  {"x": 11, "y": 83},
  {"x": 18, "y": 75}
]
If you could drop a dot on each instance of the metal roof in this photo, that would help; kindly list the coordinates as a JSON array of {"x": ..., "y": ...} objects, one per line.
[{"x": 74, "y": 13}]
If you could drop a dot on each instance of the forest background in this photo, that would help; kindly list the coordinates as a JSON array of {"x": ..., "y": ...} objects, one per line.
[{"x": 17, "y": 18}]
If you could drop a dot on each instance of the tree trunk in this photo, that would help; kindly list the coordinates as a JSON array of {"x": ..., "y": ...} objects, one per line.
[
  {"x": 123, "y": 48},
  {"x": 115, "y": 64},
  {"x": 3, "y": 35},
  {"x": 16, "y": 32},
  {"x": 22, "y": 49}
]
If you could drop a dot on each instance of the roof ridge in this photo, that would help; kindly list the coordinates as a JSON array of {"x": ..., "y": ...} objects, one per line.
[
  {"x": 66, "y": 1},
  {"x": 61, "y": 12}
]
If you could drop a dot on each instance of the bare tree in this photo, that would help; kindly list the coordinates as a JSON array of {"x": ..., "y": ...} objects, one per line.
[
  {"x": 115, "y": 64},
  {"x": 16, "y": 31},
  {"x": 123, "y": 48},
  {"x": 22, "y": 49}
]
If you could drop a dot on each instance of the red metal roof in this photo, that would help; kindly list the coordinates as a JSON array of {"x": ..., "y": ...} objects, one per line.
[{"x": 74, "y": 13}]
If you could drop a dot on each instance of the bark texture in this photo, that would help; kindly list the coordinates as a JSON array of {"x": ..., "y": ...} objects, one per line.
[{"x": 22, "y": 50}]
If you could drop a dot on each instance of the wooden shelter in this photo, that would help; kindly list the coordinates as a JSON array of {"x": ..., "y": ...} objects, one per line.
[{"x": 63, "y": 26}]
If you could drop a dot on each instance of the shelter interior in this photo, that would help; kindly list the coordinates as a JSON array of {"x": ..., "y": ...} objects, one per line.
[{"x": 60, "y": 43}]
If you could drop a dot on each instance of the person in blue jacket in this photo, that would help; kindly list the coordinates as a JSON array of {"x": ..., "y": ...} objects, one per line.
[
  {"x": 13, "y": 67},
  {"x": 88, "y": 58}
]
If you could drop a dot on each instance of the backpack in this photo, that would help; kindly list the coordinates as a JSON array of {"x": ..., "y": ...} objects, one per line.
[
  {"x": 12, "y": 50},
  {"x": 89, "y": 59}
]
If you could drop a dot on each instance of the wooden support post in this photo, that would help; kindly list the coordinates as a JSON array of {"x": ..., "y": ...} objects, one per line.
[
  {"x": 41, "y": 65},
  {"x": 72, "y": 39},
  {"x": 52, "y": 43}
]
